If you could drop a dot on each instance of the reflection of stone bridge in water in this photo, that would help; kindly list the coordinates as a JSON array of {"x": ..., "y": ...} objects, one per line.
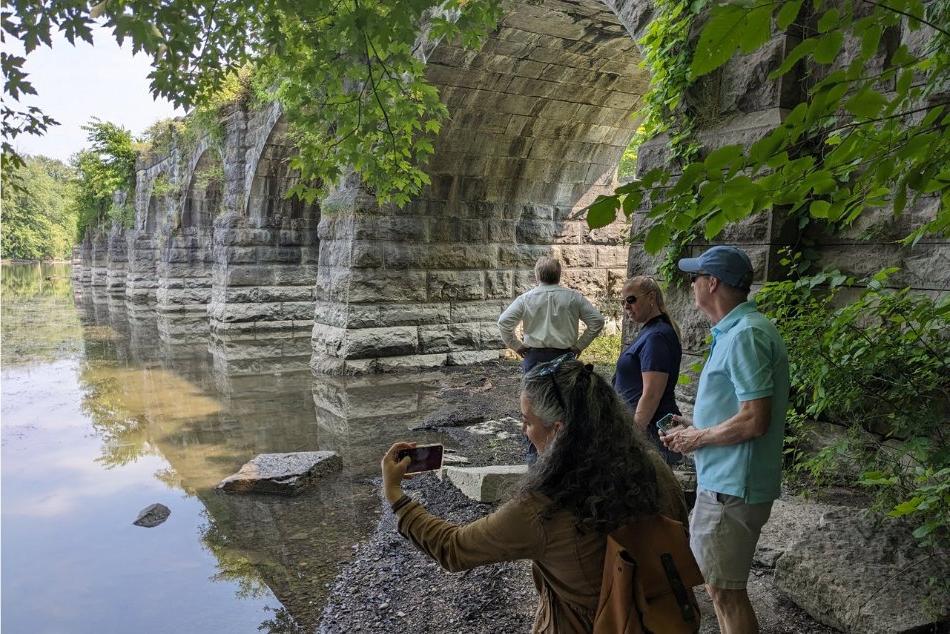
[
  {"x": 539, "y": 119},
  {"x": 206, "y": 410}
]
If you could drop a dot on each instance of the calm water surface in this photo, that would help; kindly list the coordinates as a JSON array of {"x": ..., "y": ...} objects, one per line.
[{"x": 102, "y": 415}]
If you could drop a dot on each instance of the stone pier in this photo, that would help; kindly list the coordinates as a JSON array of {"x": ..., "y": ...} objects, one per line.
[{"x": 117, "y": 268}]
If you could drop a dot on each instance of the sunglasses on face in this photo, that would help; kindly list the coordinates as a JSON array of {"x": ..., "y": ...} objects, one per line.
[{"x": 630, "y": 300}]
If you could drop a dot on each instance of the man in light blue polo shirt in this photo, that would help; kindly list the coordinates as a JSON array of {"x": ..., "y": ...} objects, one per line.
[{"x": 736, "y": 433}]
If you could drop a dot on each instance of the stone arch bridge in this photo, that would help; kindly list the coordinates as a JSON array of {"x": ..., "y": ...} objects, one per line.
[{"x": 539, "y": 118}]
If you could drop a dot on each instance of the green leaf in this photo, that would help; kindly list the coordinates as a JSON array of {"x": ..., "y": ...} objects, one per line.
[
  {"x": 826, "y": 50},
  {"x": 723, "y": 157},
  {"x": 829, "y": 20},
  {"x": 657, "y": 237},
  {"x": 804, "y": 48},
  {"x": 715, "y": 224},
  {"x": 602, "y": 212},
  {"x": 766, "y": 147},
  {"x": 871, "y": 39},
  {"x": 756, "y": 28},
  {"x": 868, "y": 103},
  {"x": 631, "y": 202},
  {"x": 788, "y": 13},
  {"x": 906, "y": 508},
  {"x": 719, "y": 39},
  {"x": 819, "y": 208}
]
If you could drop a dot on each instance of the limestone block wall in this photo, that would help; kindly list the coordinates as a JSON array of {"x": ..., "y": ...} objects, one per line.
[{"x": 539, "y": 119}]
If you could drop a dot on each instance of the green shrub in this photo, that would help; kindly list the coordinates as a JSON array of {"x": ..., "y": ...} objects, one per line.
[{"x": 879, "y": 366}]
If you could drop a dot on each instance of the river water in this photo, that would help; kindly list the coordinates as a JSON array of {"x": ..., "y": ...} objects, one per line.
[{"x": 106, "y": 411}]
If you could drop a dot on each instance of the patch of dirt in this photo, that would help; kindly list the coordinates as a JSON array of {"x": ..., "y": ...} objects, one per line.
[{"x": 392, "y": 587}]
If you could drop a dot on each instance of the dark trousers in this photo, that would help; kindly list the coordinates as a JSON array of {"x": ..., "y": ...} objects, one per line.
[
  {"x": 531, "y": 359},
  {"x": 540, "y": 355}
]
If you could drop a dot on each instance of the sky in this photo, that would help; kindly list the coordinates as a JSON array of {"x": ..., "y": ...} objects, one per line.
[{"x": 76, "y": 83}]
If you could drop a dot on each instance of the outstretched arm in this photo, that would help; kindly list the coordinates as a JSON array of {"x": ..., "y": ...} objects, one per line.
[{"x": 512, "y": 532}]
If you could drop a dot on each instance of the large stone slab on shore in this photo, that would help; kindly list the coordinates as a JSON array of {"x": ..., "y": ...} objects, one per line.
[
  {"x": 864, "y": 575},
  {"x": 281, "y": 473},
  {"x": 486, "y": 484}
]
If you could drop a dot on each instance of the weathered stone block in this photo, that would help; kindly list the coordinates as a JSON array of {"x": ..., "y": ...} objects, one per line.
[
  {"x": 367, "y": 286},
  {"x": 470, "y": 357},
  {"x": 379, "y": 342},
  {"x": 499, "y": 284},
  {"x": 576, "y": 256},
  {"x": 455, "y": 285},
  {"x": 447, "y": 338},
  {"x": 836, "y": 571},
  {"x": 486, "y": 484},
  {"x": 283, "y": 474},
  {"x": 521, "y": 255},
  {"x": 465, "y": 312}
]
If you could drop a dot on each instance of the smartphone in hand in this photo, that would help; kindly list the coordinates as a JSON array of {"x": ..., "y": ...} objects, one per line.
[
  {"x": 665, "y": 424},
  {"x": 422, "y": 458}
]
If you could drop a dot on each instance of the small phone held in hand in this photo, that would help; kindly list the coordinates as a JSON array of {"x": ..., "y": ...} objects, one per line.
[
  {"x": 422, "y": 458},
  {"x": 665, "y": 424}
]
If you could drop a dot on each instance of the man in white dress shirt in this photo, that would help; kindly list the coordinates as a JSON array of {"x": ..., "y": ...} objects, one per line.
[{"x": 549, "y": 313}]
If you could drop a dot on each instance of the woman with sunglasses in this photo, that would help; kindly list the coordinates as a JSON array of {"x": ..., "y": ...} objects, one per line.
[
  {"x": 647, "y": 370},
  {"x": 593, "y": 475}
]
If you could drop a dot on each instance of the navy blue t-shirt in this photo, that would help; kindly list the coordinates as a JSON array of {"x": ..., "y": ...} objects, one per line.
[{"x": 656, "y": 349}]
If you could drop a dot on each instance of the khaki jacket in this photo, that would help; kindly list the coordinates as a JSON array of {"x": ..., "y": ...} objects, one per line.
[{"x": 567, "y": 565}]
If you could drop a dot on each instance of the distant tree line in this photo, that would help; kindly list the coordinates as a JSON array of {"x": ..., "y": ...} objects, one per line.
[
  {"x": 48, "y": 205},
  {"x": 38, "y": 218}
]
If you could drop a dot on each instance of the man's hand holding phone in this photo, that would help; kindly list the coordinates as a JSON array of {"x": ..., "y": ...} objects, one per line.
[{"x": 681, "y": 436}]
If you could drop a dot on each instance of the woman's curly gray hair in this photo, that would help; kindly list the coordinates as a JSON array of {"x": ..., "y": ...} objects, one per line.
[{"x": 596, "y": 467}]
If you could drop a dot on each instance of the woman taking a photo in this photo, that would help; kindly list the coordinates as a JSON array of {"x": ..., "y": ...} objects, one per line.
[
  {"x": 648, "y": 369},
  {"x": 592, "y": 476}
]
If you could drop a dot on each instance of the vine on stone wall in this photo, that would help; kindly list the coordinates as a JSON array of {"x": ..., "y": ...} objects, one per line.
[
  {"x": 667, "y": 56},
  {"x": 872, "y": 133}
]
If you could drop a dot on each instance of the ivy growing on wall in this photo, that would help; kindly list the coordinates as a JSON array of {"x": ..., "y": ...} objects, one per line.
[{"x": 872, "y": 133}]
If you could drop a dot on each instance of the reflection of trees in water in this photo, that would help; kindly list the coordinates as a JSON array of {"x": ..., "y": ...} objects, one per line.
[
  {"x": 282, "y": 623},
  {"x": 234, "y": 563},
  {"x": 124, "y": 436},
  {"x": 38, "y": 319},
  {"x": 29, "y": 281}
]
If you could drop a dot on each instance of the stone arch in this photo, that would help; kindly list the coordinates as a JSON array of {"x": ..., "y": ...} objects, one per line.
[
  {"x": 267, "y": 202},
  {"x": 539, "y": 118},
  {"x": 204, "y": 195}
]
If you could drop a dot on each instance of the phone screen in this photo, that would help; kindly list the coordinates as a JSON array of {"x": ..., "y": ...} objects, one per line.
[
  {"x": 422, "y": 458},
  {"x": 665, "y": 424}
]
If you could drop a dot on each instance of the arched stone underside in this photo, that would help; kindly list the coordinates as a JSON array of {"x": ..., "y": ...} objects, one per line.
[
  {"x": 265, "y": 261},
  {"x": 539, "y": 119},
  {"x": 151, "y": 216},
  {"x": 185, "y": 266}
]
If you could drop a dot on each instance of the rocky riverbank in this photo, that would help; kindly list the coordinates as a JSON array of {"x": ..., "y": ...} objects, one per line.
[{"x": 390, "y": 586}]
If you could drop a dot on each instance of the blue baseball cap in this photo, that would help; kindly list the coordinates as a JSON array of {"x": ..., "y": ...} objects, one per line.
[{"x": 730, "y": 264}]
